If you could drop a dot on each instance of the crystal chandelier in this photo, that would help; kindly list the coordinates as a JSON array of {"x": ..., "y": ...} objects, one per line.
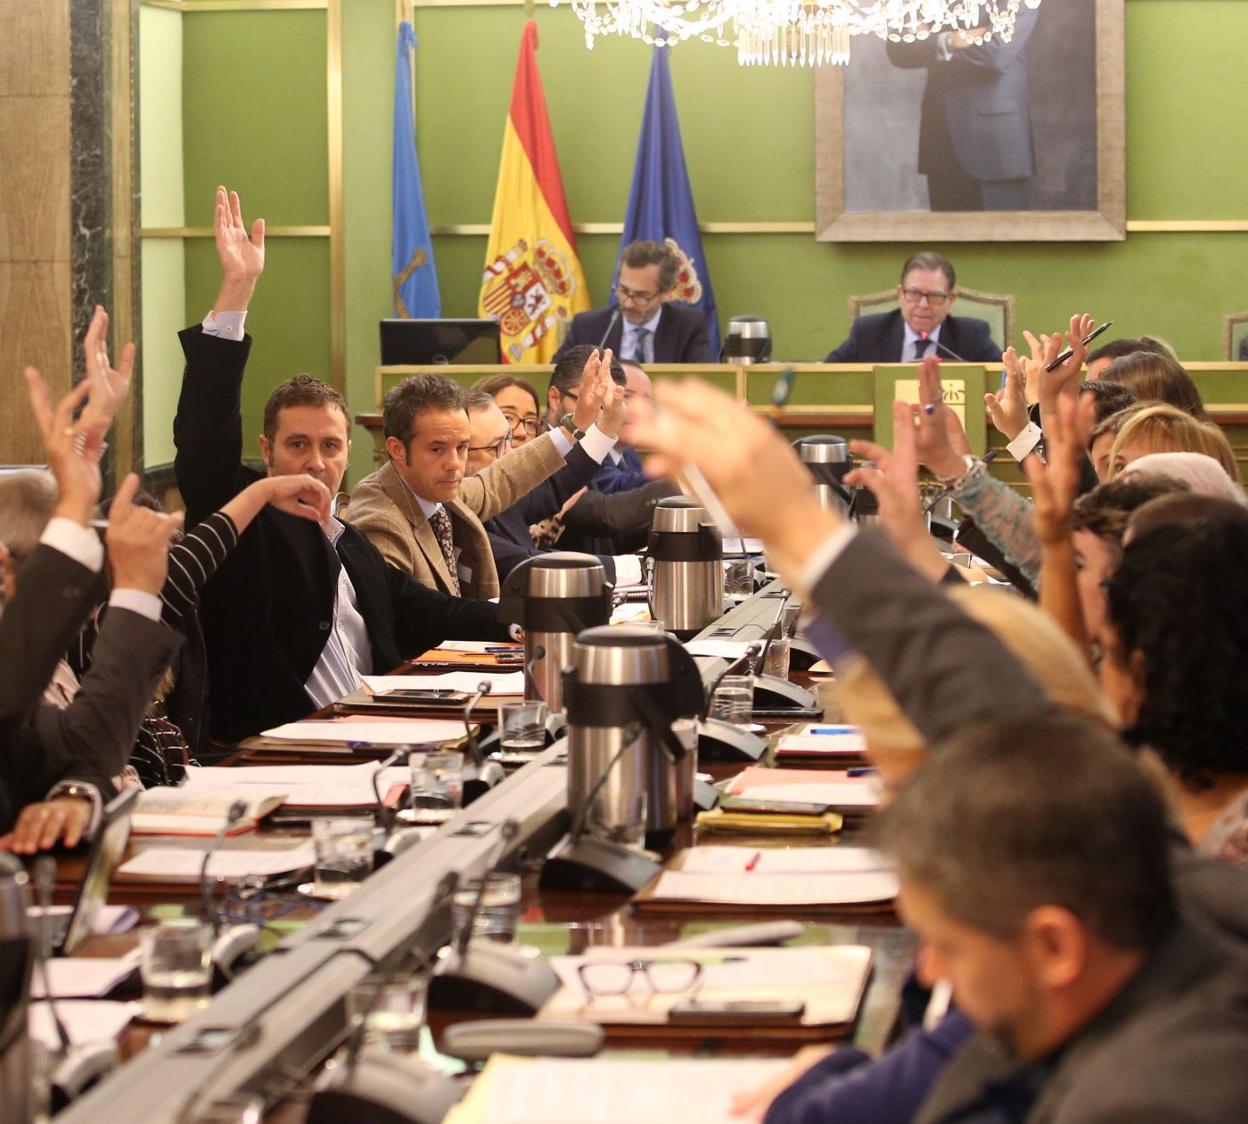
[{"x": 793, "y": 32}]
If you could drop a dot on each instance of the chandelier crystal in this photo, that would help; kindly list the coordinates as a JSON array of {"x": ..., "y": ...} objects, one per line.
[{"x": 793, "y": 32}]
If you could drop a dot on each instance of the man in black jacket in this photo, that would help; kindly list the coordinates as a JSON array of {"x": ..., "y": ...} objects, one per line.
[
  {"x": 300, "y": 611},
  {"x": 922, "y": 326}
]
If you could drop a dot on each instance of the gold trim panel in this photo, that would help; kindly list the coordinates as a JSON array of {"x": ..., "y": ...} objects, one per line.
[
  {"x": 206, "y": 232},
  {"x": 1134, "y": 226},
  {"x": 337, "y": 249},
  {"x": 237, "y": 5}
]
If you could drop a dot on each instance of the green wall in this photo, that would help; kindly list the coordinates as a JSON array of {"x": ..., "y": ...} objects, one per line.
[{"x": 254, "y": 116}]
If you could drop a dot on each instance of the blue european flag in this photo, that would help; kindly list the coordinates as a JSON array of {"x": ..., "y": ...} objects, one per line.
[
  {"x": 660, "y": 203},
  {"x": 413, "y": 271}
]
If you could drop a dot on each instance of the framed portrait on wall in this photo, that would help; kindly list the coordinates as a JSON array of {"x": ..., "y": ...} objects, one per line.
[{"x": 944, "y": 139}]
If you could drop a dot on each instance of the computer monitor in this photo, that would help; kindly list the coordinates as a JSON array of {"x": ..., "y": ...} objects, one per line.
[{"x": 420, "y": 342}]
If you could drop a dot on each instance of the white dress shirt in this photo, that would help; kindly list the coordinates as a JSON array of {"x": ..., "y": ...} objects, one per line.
[
  {"x": 347, "y": 655},
  {"x": 909, "y": 352},
  {"x": 628, "y": 338}
]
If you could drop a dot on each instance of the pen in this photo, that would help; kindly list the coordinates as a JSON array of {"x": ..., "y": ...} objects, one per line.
[
  {"x": 754, "y": 860},
  {"x": 1070, "y": 351},
  {"x": 833, "y": 730},
  {"x": 861, "y": 771}
]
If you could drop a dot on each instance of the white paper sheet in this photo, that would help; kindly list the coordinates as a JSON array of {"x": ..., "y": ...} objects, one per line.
[
  {"x": 776, "y": 861},
  {"x": 477, "y": 647},
  {"x": 181, "y": 864},
  {"x": 108, "y": 919},
  {"x": 846, "y": 795},
  {"x": 833, "y": 741},
  {"x": 306, "y": 786},
  {"x": 501, "y": 682},
  {"x": 724, "y": 649},
  {"x": 851, "y": 888},
  {"x": 413, "y": 731},
  {"x": 607, "y": 1091},
  {"x": 85, "y": 1020},
  {"x": 84, "y": 976}
]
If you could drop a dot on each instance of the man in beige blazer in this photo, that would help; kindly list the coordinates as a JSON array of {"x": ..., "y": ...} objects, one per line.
[{"x": 420, "y": 510}]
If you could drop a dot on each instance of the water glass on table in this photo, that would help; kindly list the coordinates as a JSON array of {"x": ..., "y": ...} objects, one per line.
[
  {"x": 522, "y": 726},
  {"x": 176, "y": 967},
  {"x": 344, "y": 855},
  {"x": 777, "y": 660},
  {"x": 392, "y": 1009},
  {"x": 437, "y": 792},
  {"x": 500, "y": 906},
  {"x": 733, "y": 700}
]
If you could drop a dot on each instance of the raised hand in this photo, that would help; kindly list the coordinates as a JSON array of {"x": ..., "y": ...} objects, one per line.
[
  {"x": 299, "y": 495},
  {"x": 138, "y": 541},
  {"x": 72, "y": 448},
  {"x": 614, "y": 407},
  {"x": 591, "y": 394},
  {"x": 109, "y": 385},
  {"x": 765, "y": 489},
  {"x": 1008, "y": 409},
  {"x": 940, "y": 441},
  {"x": 1064, "y": 379},
  {"x": 1055, "y": 487},
  {"x": 893, "y": 478},
  {"x": 240, "y": 253}
]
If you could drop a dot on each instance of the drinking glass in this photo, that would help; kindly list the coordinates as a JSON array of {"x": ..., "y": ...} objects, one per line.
[
  {"x": 176, "y": 967},
  {"x": 777, "y": 661},
  {"x": 733, "y": 700},
  {"x": 344, "y": 855},
  {"x": 500, "y": 907},
  {"x": 437, "y": 786},
  {"x": 393, "y": 1010},
  {"x": 522, "y": 726}
]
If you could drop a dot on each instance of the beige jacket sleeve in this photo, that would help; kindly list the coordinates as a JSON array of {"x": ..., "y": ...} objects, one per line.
[{"x": 496, "y": 488}]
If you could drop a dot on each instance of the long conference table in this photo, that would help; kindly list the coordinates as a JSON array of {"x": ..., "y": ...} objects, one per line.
[{"x": 268, "y": 1033}]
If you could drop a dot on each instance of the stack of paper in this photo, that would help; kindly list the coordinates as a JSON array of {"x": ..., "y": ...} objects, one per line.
[
  {"x": 201, "y": 810},
  {"x": 182, "y": 864},
  {"x": 85, "y": 1020},
  {"x": 506, "y": 683},
  {"x": 610, "y": 1090},
  {"x": 819, "y": 742},
  {"x": 357, "y": 733},
  {"x": 807, "y": 877},
  {"x": 828, "y": 980},
  {"x": 87, "y": 977},
  {"x": 849, "y": 795},
  {"x": 319, "y": 788}
]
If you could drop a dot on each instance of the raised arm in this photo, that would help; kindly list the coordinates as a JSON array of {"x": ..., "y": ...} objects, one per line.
[{"x": 208, "y": 426}]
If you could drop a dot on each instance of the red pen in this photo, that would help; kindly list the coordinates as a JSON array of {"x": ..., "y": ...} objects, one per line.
[{"x": 753, "y": 861}]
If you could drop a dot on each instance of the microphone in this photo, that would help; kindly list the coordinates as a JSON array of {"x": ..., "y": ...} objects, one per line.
[
  {"x": 631, "y": 733},
  {"x": 474, "y": 749},
  {"x": 941, "y": 347},
  {"x": 750, "y": 654},
  {"x": 237, "y": 811},
  {"x": 45, "y": 875},
  {"x": 771, "y": 633},
  {"x": 615, "y": 316},
  {"x": 17, "y": 954},
  {"x": 539, "y": 654},
  {"x": 506, "y": 833},
  {"x": 399, "y": 757}
]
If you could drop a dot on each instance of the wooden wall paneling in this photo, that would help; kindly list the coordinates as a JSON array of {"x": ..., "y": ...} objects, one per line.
[
  {"x": 34, "y": 178},
  {"x": 33, "y": 47}
]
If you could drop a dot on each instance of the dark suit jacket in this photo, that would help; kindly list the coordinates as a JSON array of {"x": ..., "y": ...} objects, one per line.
[
  {"x": 881, "y": 338},
  {"x": 622, "y": 477},
  {"x": 977, "y": 102},
  {"x": 269, "y": 609},
  {"x": 1169, "y": 1046},
  {"x": 681, "y": 336},
  {"x": 614, "y": 524},
  {"x": 91, "y": 739}
]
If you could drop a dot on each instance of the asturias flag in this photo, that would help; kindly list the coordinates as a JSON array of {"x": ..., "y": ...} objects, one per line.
[
  {"x": 412, "y": 268},
  {"x": 660, "y": 203},
  {"x": 532, "y": 276}
]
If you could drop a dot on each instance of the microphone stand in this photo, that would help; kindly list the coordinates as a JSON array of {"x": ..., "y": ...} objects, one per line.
[
  {"x": 236, "y": 812},
  {"x": 615, "y": 316},
  {"x": 45, "y": 874},
  {"x": 474, "y": 750},
  {"x": 719, "y": 740},
  {"x": 399, "y": 757}
]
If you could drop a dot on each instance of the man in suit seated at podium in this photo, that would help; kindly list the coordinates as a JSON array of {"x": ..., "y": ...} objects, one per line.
[
  {"x": 923, "y": 325},
  {"x": 646, "y": 327},
  {"x": 425, "y": 515}
]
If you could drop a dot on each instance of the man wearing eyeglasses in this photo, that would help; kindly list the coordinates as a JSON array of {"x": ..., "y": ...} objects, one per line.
[
  {"x": 424, "y": 514},
  {"x": 646, "y": 327},
  {"x": 922, "y": 325}
]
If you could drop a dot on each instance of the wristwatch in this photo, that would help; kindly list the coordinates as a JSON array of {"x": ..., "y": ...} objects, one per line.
[
  {"x": 82, "y": 791},
  {"x": 569, "y": 423}
]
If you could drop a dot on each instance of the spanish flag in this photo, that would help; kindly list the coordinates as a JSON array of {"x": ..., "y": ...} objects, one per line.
[{"x": 532, "y": 278}]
